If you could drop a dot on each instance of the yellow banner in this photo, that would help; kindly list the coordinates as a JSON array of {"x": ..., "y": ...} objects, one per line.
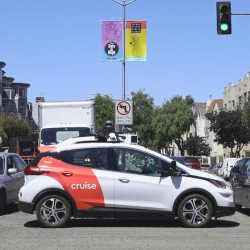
[{"x": 136, "y": 41}]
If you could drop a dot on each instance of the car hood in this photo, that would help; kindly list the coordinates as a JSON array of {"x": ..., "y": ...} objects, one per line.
[{"x": 199, "y": 173}]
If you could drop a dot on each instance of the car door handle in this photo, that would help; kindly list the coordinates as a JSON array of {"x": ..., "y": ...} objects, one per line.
[
  {"x": 124, "y": 180},
  {"x": 66, "y": 173}
]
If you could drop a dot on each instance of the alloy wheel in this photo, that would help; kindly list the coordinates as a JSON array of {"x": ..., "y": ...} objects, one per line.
[
  {"x": 53, "y": 211},
  {"x": 195, "y": 211}
]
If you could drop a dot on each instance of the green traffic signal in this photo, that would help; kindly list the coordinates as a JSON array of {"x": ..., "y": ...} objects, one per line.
[{"x": 224, "y": 26}]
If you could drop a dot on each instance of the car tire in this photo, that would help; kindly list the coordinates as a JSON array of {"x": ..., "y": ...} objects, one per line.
[
  {"x": 238, "y": 206},
  {"x": 53, "y": 211},
  {"x": 195, "y": 211},
  {"x": 2, "y": 202}
]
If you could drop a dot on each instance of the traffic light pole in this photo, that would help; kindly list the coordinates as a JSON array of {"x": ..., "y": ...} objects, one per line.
[
  {"x": 241, "y": 14},
  {"x": 124, "y": 4}
]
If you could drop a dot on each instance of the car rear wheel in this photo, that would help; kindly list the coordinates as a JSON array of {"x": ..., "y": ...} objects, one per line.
[
  {"x": 53, "y": 211},
  {"x": 195, "y": 211},
  {"x": 2, "y": 202}
]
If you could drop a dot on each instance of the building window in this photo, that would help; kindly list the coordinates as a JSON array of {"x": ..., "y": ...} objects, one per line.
[
  {"x": 7, "y": 94},
  {"x": 22, "y": 92},
  {"x": 245, "y": 97},
  {"x": 240, "y": 101}
]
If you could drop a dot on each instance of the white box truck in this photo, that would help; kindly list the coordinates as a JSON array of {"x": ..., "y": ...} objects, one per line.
[{"x": 58, "y": 121}]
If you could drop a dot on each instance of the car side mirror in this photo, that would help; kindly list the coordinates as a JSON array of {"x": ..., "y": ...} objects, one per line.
[
  {"x": 12, "y": 171},
  {"x": 173, "y": 164},
  {"x": 171, "y": 171}
]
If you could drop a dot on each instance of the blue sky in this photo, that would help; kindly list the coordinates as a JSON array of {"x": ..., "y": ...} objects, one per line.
[{"x": 56, "y": 46}]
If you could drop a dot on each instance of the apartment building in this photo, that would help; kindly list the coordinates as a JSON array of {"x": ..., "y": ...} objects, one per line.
[
  {"x": 235, "y": 96},
  {"x": 13, "y": 95}
]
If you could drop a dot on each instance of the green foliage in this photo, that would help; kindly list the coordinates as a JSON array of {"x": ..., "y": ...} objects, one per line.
[
  {"x": 160, "y": 125},
  {"x": 230, "y": 130},
  {"x": 196, "y": 145},
  {"x": 246, "y": 113},
  {"x": 105, "y": 110},
  {"x": 4, "y": 137},
  {"x": 143, "y": 110},
  {"x": 14, "y": 126},
  {"x": 178, "y": 117},
  {"x": 156, "y": 126}
]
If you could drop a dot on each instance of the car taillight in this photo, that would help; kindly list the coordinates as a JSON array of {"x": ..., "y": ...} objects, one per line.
[{"x": 32, "y": 170}]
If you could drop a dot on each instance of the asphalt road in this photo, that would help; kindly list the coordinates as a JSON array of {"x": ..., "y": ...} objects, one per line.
[{"x": 21, "y": 231}]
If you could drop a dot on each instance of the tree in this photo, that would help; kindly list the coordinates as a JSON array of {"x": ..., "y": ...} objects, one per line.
[
  {"x": 160, "y": 125},
  {"x": 246, "y": 113},
  {"x": 196, "y": 145},
  {"x": 143, "y": 110},
  {"x": 230, "y": 130},
  {"x": 14, "y": 126},
  {"x": 105, "y": 110},
  {"x": 178, "y": 119},
  {"x": 4, "y": 138}
]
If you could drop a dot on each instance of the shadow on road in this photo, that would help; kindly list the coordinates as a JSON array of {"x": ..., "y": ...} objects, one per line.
[
  {"x": 245, "y": 211},
  {"x": 133, "y": 223},
  {"x": 13, "y": 208}
]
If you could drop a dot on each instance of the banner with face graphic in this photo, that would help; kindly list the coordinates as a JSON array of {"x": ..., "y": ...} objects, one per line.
[{"x": 112, "y": 45}]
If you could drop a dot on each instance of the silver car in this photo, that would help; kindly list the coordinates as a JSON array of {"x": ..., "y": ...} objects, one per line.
[{"x": 11, "y": 178}]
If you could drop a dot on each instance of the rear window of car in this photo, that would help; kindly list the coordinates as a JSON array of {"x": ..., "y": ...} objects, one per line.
[
  {"x": 1, "y": 166},
  {"x": 41, "y": 155},
  {"x": 88, "y": 157}
]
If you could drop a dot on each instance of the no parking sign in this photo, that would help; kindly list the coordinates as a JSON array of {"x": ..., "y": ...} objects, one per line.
[{"x": 123, "y": 112}]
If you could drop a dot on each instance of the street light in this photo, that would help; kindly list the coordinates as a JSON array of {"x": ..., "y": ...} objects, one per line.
[{"x": 124, "y": 4}]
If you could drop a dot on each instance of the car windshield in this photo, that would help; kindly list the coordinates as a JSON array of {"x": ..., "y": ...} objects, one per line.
[
  {"x": 52, "y": 136},
  {"x": 179, "y": 159}
]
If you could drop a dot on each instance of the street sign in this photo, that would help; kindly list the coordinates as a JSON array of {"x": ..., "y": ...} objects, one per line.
[{"x": 123, "y": 112}]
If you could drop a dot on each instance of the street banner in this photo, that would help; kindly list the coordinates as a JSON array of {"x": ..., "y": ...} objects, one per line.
[
  {"x": 123, "y": 112},
  {"x": 112, "y": 40},
  {"x": 136, "y": 40}
]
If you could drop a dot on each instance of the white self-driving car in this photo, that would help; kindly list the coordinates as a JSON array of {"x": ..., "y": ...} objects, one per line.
[{"x": 119, "y": 180}]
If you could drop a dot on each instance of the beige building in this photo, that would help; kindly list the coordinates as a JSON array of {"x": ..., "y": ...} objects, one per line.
[
  {"x": 235, "y": 96},
  {"x": 217, "y": 152}
]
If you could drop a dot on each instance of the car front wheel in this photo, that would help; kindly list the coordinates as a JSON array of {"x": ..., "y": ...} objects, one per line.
[
  {"x": 195, "y": 211},
  {"x": 53, "y": 211}
]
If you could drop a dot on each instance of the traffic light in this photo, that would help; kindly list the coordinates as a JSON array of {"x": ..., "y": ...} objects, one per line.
[{"x": 224, "y": 26}]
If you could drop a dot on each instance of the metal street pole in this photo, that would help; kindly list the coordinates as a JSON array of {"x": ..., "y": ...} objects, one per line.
[
  {"x": 124, "y": 4},
  {"x": 241, "y": 14}
]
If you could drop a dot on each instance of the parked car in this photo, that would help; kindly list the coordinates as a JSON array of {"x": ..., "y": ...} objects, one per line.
[
  {"x": 189, "y": 161},
  {"x": 215, "y": 168},
  {"x": 227, "y": 165},
  {"x": 11, "y": 178},
  {"x": 98, "y": 179},
  {"x": 205, "y": 167},
  {"x": 240, "y": 180}
]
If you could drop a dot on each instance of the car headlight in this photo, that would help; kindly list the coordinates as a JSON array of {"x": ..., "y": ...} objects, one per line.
[{"x": 218, "y": 184}]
